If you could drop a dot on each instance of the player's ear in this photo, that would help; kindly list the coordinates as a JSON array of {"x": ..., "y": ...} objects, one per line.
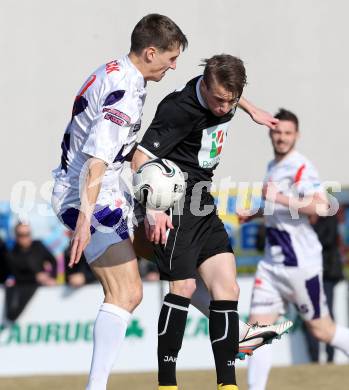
[{"x": 149, "y": 53}]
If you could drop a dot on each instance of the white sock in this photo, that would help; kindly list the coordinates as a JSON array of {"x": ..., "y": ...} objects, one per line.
[
  {"x": 259, "y": 365},
  {"x": 201, "y": 300},
  {"x": 108, "y": 334},
  {"x": 341, "y": 339}
]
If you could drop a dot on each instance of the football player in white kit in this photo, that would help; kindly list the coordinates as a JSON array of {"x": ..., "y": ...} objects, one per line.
[
  {"x": 291, "y": 270},
  {"x": 89, "y": 196}
]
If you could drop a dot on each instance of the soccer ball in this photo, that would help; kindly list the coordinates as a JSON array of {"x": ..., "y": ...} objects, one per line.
[{"x": 158, "y": 184}]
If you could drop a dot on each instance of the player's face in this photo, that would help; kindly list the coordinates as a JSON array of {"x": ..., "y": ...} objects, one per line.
[
  {"x": 161, "y": 61},
  {"x": 218, "y": 99},
  {"x": 284, "y": 137}
]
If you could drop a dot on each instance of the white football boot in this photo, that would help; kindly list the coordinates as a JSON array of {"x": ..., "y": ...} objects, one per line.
[{"x": 258, "y": 335}]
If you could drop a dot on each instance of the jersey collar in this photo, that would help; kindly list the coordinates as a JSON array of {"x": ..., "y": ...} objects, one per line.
[
  {"x": 199, "y": 95},
  {"x": 291, "y": 156},
  {"x": 141, "y": 83}
]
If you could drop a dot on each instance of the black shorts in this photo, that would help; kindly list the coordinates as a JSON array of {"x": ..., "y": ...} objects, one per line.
[{"x": 194, "y": 239}]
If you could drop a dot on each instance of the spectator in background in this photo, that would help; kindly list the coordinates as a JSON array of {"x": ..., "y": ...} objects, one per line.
[
  {"x": 327, "y": 230},
  {"x": 3, "y": 262},
  {"x": 30, "y": 264},
  {"x": 80, "y": 274}
]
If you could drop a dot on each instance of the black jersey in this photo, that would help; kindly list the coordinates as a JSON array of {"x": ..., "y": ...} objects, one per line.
[{"x": 186, "y": 132}]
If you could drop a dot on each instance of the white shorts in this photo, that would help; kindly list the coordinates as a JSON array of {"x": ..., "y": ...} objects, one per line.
[
  {"x": 276, "y": 285},
  {"x": 111, "y": 223}
]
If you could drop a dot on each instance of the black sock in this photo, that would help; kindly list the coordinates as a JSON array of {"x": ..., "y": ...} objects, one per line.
[
  {"x": 224, "y": 335},
  {"x": 171, "y": 327}
]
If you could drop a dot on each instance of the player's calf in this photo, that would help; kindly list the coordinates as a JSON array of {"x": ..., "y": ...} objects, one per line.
[
  {"x": 171, "y": 326},
  {"x": 224, "y": 335}
]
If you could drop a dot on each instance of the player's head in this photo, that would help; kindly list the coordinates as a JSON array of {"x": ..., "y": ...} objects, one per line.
[
  {"x": 156, "y": 42},
  {"x": 285, "y": 134},
  {"x": 223, "y": 82}
]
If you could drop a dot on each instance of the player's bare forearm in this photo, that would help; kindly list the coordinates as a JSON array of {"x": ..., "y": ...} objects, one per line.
[
  {"x": 248, "y": 215},
  {"x": 309, "y": 205},
  {"x": 259, "y": 116},
  {"x": 138, "y": 159},
  {"x": 92, "y": 186},
  {"x": 89, "y": 195},
  {"x": 246, "y": 106}
]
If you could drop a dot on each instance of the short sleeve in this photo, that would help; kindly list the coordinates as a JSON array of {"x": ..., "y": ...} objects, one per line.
[
  {"x": 169, "y": 127},
  {"x": 307, "y": 180},
  {"x": 109, "y": 129}
]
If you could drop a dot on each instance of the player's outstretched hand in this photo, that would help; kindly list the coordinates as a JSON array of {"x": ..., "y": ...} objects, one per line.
[
  {"x": 244, "y": 215},
  {"x": 264, "y": 118},
  {"x": 156, "y": 224},
  {"x": 79, "y": 241}
]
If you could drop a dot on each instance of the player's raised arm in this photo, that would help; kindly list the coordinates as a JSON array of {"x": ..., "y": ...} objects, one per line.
[
  {"x": 310, "y": 205},
  {"x": 259, "y": 116}
]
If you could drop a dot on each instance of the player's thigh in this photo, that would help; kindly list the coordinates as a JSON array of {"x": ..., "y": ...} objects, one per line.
[
  {"x": 117, "y": 270},
  {"x": 142, "y": 246},
  {"x": 177, "y": 259},
  {"x": 219, "y": 274},
  {"x": 266, "y": 299},
  {"x": 308, "y": 292},
  {"x": 216, "y": 262}
]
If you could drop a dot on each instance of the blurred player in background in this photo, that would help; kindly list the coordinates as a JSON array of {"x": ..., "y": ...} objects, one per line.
[
  {"x": 89, "y": 196},
  {"x": 190, "y": 128},
  {"x": 326, "y": 229},
  {"x": 292, "y": 269}
]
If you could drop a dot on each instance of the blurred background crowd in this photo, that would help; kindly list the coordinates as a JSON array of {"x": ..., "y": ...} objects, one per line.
[{"x": 28, "y": 262}]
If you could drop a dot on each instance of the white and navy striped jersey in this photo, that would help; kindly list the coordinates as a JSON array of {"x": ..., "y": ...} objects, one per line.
[
  {"x": 105, "y": 120},
  {"x": 291, "y": 239}
]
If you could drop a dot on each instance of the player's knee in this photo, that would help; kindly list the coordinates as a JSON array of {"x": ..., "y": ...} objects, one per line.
[
  {"x": 317, "y": 332},
  {"x": 235, "y": 291},
  {"x": 184, "y": 288},
  {"x": 136, "y": 296},
  {"x": 321, "y": 330},
  {"x": 128, "y": 296},
  {"x": 225, "y": 291}
]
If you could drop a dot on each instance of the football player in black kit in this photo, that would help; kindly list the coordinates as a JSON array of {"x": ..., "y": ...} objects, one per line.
[{"x": 190, "y": 127}]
